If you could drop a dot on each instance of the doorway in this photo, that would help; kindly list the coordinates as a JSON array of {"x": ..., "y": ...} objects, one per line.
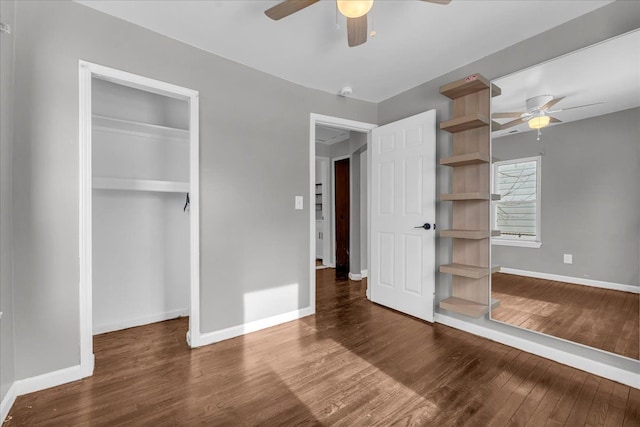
[
  {"x": 117, "y": 177},
  {"x": 342, "y": 214},
  {"x": 400, "y": 174}
]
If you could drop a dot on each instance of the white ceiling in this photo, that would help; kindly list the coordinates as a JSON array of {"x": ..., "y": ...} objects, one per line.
[
  {"x": 607, "y": 72},
  {"x": 415, "y": 42}
]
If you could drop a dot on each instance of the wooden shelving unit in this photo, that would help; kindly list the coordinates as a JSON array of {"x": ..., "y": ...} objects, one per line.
[
  {"x": 467, "y": 270},
  {"x": 453, "y": 197},
  {"x": 471, "y": 196},
  {"x": 465, "y": 159},
  {"x": 468, "y": 234}
]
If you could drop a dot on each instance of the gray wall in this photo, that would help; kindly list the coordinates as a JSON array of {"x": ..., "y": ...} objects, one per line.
[
  {"x": 7, "y": 372},
  {"x": 253, "y": 157},
  {"x": 589, "y": 195},
  {"x": 606, "y": 22}
]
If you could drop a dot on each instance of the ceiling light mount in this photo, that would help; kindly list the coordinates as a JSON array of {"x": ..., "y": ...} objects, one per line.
[{"x": 345, "y": 91}]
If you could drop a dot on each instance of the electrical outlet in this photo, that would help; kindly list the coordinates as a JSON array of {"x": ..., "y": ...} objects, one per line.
[
  {"x": 568, "y": 258},
  {"x": 299, "y": 203}
]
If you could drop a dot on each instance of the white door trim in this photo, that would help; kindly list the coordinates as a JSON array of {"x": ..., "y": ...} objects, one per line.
[
  {"x": 340, "y": 123},
  {"x": 87, "y": 70}
]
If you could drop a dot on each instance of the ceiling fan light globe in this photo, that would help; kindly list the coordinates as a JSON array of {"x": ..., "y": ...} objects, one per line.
[
  {"x": 539, "y": 122},
  {"x": 354, "y": 8}
]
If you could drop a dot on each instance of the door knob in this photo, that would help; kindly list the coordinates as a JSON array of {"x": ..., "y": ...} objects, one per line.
[{"x": 426, "y": 226}]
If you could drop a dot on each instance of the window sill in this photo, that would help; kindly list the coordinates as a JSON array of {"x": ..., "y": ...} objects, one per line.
[{"x": 516, "y": 243}]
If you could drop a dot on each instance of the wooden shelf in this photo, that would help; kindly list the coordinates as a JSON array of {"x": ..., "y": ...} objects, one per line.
[
  {"x": 468, "y": 196},
  {"x": 465, "y": 159},
  {"x": 468, "y": 85},
  {"x": 128, "y": 127},
  {"x": 465, "y": 123},
  {"x": 470, "y": 185},
  {"x": 469, "y": 234},
  {"x": 470, "y": 271},
  {"x": 468, "y": 308},
  {"x": 105, "y": 183}
]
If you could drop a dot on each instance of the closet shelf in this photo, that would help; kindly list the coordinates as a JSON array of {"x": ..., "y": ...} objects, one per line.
[
  {"x": 465, "y": 123},
  {"x": 469, "y": 196},
  {"x": 465, "y": 159},
  {"x": 470, "y": 271},
  {"x": 468, "y": 308},
  {"x": 469, "y": 234},
  {"x": 105, "y": 183},
  {"x": 128, "y": 127}
]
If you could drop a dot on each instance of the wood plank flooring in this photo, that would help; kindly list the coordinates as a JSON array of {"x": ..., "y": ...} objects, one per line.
[
  {"x": 600, "y": 318},
  {"x": 352, "y": 364}
]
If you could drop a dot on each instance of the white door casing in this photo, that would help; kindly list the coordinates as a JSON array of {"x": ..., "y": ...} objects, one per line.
[{"x": 403, "y": 191}]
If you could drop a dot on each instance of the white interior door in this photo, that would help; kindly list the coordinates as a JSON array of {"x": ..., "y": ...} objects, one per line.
[{"x": 402, "y": 271}]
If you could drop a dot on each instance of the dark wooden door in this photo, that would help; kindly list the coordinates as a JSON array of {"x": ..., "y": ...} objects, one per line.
[{"x": 342, "y": 214}]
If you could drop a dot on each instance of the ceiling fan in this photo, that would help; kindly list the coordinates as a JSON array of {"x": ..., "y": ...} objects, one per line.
[
  {"x": 537, "y": 114},
  {"x": 354, "y": 10}
]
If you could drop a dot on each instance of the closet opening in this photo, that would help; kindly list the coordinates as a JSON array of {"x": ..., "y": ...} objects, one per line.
[{"x": 139, "y": 203}]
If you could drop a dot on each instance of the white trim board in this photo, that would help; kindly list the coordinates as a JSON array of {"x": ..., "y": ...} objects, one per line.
[
  {"x": 630, "y": 378},
  {"x": 8, "y": 401},
  {"x": 256, "y": 325},
  {"x": 41, "y": 382},
  {"x": 573, "y": 280},
  {"x": 139, "y": 321}
]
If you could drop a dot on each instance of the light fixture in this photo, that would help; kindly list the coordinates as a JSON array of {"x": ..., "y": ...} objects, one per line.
[
  {"x": 539, "y": 122},
  {"x": 354, "y": 8}
]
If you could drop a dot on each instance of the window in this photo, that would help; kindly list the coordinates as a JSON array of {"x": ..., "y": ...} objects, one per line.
[{"x": 517, "y": 213}]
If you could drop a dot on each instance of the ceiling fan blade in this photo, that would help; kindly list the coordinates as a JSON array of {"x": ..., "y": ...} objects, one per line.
[
  {"x": 511, "y": 124},
  {"x": 551, "y": 103},
  {"x": 287, "y": 7},
  {"x": 438, "y": 1},
  {"x": 357, "y": 30},
  {"x": 512, "y": 115},
  {"x": 554, "y": 120},
  {"x": 577, "y": 106}
]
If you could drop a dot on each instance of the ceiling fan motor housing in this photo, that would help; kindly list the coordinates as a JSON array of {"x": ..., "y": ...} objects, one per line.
[{"x": 534, "y": 104}]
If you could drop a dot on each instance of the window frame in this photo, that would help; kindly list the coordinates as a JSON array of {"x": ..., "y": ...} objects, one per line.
[{"x": 516, "y": 241}]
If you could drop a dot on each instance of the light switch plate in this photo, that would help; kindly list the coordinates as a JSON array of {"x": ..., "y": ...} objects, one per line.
[
  {"x": 299, "y": 203},
  {"x": 568, "y": 259}
]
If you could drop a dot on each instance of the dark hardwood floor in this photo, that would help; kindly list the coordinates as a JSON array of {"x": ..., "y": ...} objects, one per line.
[
  {"x": 352, "y": 364},
  {"x": 600, "y": 318}
]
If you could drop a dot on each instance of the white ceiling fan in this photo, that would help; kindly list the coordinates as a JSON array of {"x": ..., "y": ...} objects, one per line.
[
  {"x": 537, "y": 114},
  {"x": 354, "y": 10}
]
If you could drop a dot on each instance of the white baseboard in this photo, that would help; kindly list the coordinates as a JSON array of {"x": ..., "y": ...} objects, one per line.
[
  {"x": 40, "y": 382},
  {"x": 355, "y": 276},
  {"x": 139, "y": 321},
  {"x": 50, "y": 379},
  {"x": 365, "y": 274},
  {"x": 256, "y": 325},
  {"x": 7, "y": 401},
  {"x": 574, "y": 280},
  {"x": 613, "y": 373}
]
